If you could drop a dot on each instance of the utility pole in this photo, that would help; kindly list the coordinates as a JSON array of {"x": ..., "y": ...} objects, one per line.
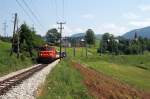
[
  {"x": 18, "y": 39},
  {"x": 74, "y": 48},
  {"x": 86, "y": 49},
  {"x": 5, "y": 28},
  {"x": 61, "y": 27},
  {"x": 14, "y": 31},
  {"x": 66, "y": 46}
]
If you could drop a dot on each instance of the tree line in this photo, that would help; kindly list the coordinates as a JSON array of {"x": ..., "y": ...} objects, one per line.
[
  {"x": 53, "y": 37},
  {"x": 110, "y": 44},
  {"x": 120, "y": 45}
]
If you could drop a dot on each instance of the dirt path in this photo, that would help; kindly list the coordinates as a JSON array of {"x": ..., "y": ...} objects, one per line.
[{"x": 104, "y": 87}]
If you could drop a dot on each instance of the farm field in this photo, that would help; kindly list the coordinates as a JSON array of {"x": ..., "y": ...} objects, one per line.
[
  {"x": 131, "y": 69},
  {"x": 103, "y": 86},
  {"x": 11, "y": 63}
]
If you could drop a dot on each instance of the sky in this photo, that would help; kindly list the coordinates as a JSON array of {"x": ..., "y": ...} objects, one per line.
[{"x": 113, "y": 16}]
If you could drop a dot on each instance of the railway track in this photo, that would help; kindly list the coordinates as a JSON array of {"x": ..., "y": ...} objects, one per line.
[{"x": 8, "y": 83}]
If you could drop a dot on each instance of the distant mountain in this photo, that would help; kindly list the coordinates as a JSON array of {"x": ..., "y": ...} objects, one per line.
[
  {"x": 82, "y": 35},
  {"x": 78, "y": 35},
  {"x": 143, "y": 32}
]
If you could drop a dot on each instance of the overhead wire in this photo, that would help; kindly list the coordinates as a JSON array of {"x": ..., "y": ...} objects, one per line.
[
  {"x": 32, "y": 13},
  {"x": 20, "y": 5},
  {"x": 56, "y": 10},
  {"x": 66, "y": 10},
  {"x": 63, "y": 10}
]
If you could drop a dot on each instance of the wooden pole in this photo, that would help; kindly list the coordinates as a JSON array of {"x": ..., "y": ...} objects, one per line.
[{"x": 13, "y": 38}]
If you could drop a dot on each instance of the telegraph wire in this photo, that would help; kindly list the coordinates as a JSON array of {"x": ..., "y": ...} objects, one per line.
[
  {"x": 56, "y": 10},
  {"x": 20, "y": 5},
  {"x": 63, "y": 10},
  {"x": 33, "y": 14},
  {"x": 60, "y": 15}
]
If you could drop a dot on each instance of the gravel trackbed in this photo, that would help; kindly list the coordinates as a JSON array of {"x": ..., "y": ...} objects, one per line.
[{"x": 28, "y": 88}]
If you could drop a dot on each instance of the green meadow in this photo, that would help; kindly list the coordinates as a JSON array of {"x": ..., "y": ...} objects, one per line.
[
  {"x": 11, "y": 63},
  {"x": 131, "y": 69}
]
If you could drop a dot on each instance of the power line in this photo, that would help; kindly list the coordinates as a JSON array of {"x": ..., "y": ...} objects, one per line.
[
  {"x": 25, "y": 11},
  {"x": 33, "y": 14},
  {"x": 63, "y": 9},
  {"x": 60, "y": 15},
  {"x": 56, "y": 10}
]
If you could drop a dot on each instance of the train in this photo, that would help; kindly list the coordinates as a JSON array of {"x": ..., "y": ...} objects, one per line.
[{"x": 47, "y": 54}]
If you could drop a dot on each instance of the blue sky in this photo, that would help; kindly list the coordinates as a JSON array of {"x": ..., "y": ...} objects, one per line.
[{"x": 114, "y": 16}]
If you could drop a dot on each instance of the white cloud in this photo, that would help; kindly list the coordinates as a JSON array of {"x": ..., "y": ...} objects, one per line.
[
  {"x": 144, "y": 7},
  {"x": 67, "y": 31},
  {"x": 54, "y": 26},
  {"x": 79, "y": 30},
  {"x": 88, "y": 16},
  {"x": 112, "y": 28},
  {"x": 140, "y": 23},
  {"x": 108, "y": 27},
  {"x": 131, "y": 15}
]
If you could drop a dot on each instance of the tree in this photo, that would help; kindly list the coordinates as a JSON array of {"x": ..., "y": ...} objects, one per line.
[
  {"x": 26, "y": 38},
  {"x": 125, "y": 46},
  {"x": 52, "y": 36},
  {"x": 106, "y": 42},
  {"x": 38, "y": 41},
  {"x": 90, "y": 37},
  {"x": 109, "y": 44}
]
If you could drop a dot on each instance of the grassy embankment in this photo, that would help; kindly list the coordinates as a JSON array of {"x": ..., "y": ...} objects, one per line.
[
  {"x": 11, "y": 63},
  {"x": 64, "y": 82},
  {"x": 131, "y": 69}
]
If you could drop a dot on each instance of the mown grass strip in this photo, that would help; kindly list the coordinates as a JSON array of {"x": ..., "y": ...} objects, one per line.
[{"x": 64, "y": 82}]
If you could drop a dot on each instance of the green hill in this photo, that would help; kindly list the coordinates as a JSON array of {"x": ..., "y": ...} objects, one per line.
[
  {"x": 11, "y": 63},
  {"x": 143, "y": 32},
  {"x": 82, "y": 35}
]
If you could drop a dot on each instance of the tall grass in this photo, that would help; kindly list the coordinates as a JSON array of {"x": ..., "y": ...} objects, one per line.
[
  {"x": 11, "y": 63},
  {"x": 64, "y": 82}
]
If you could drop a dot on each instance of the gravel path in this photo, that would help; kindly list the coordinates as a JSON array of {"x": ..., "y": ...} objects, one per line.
[{"x": 27, "y": 89}]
